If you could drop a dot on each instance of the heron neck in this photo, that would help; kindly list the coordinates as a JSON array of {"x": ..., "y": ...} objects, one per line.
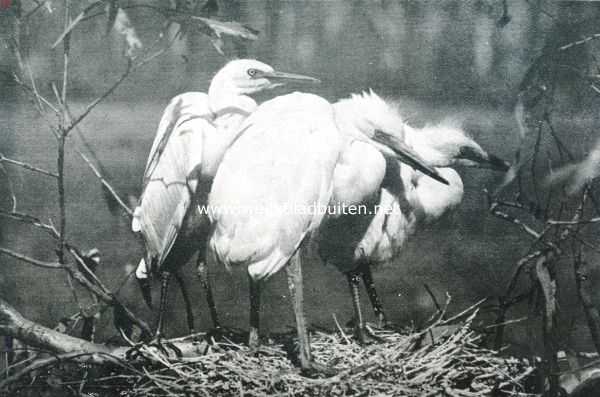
[{"x": 223, "y": 97}]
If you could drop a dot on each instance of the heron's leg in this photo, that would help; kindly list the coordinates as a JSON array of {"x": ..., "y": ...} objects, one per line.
[
  {"x": 186, "y": 299},
  {"x": 202, "y": 269},
  {"x": 362, "y": 333},
  {"x": 165, "y": 277},
  {"x": 157, "y": 342},
  {"x": 373, "y": 296},
  {"x": 294, "y": 275},
  {"x": 255, "y": 290},
  {"x": 354, "y": 283}
]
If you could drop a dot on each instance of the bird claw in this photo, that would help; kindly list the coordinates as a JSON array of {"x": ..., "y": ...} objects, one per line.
[
  {"x": 385, "y": 324},
  {"x": 313, "y": 368},
  {"x": 366, "y": 336},
  {"x": 158, "y": 343}
]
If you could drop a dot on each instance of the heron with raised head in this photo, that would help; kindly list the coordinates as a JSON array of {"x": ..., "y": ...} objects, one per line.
[
  {"x": 193, "y": 134},
  {"x": 398, "y": 197},
  {"x": 281, "y": 165}
]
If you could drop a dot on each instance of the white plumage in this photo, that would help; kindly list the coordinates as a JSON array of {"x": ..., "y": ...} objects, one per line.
[
  {"x": 195, "y": 131},
  {"x": 281, "y": 166},
  {"x": 285, "y": 156},
  {"x": 397, "y": 197}
]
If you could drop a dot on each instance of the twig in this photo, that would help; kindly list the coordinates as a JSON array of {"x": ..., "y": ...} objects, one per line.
[
  {"x": 4, "y": 159},
  {"x": 579, "y": 42},
  {"x": 35, "y": 262},
  {"x": 106, "y": 184},
  {"x": 433, "y": 298},
  {"x": 31, "y": 220}
]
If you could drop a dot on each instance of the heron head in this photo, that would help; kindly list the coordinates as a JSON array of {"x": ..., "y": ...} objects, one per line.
[
  {"x": 249, "y": 76},
  {"x": 368, "y": 117},
  {"x": 444, "y": 146}
]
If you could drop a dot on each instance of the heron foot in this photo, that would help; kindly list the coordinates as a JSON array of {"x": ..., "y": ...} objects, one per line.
[
  {"x": 313, "y": 369},
  {"x": 158, "y": 343},
  {"x": 383, "y": 323},
  {"x": 366, "y": 336},
  {"x": 253, "y": 340}
]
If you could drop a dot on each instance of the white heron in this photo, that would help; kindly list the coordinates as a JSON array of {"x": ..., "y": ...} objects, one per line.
[
  {"x": 193, "y": 134},
  {"x": 271, "y": 184},
  {"x": 395, "y": 198}
]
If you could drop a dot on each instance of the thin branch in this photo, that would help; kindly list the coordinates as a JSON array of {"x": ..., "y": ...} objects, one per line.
[
  {"x": 106, "y": 184},
  {"x": 11, "y": 189},
  {"x": 516, "y": 221},
  {"x": 130, "y": 68},
  {"x": 4, "y": 159},
  {"x": 32, "y": 261},
  {"x": 579, "y": 42},
  {"x": 31, "y": 220},
  {"x": 99, "y": 99}
]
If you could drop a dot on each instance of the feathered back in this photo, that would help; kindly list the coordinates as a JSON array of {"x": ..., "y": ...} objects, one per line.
[
  {"x": 280, "y": 166},
  {"x": 168, "y": 188}
]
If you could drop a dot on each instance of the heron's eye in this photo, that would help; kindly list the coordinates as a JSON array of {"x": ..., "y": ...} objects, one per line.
[{"x": 252, "y": 72}]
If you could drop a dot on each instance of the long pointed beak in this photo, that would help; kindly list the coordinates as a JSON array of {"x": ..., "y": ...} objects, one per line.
[
  {"x": 406, "y": 155},
  {"x": 146, "y": 290},
  {"x": 283, "y": 77},
  {"x": 484, "y": 159},
  {"x": 496, "y": 163}
]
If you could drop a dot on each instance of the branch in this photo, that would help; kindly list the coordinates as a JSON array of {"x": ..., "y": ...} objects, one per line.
[
  {"x": 31, "y": 220},
  {"x": 67, "y": 347},
  {"x": 32, "y": 261},
  {"x": 106, "y": 184},
  {"x": 97, "y": 288},
  {"x": 579, "y": 42},
  {"x": 505, "y": 216},
  {"x": 4, "y": 159}
]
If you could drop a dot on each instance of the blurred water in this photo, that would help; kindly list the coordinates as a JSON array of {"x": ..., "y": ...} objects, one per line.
[{"x": 448, "y": 59}]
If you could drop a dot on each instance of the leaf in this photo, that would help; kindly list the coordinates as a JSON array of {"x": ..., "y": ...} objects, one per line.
[
  {"x": 113, "y": 9},
  {"x": 548, "y": 285},
  {"x": 215, "y": 28},
  {"x": 231, "y": 28},
  {"x": 75, "y": 21},
  {"x": 124, "y": 27},
  {"x": 578, "y": 174},
  {"x": 218, "y": 43}
]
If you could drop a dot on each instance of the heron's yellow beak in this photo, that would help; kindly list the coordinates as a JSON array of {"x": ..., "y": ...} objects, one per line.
[{"x": 405, "y": 154}]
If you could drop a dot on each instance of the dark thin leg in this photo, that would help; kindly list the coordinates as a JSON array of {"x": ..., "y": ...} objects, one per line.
[
  {"x": 294, "y": 274},
  {"x": 186, "y": 299},
  {"x": 372, "y": 292},
  {"x": 354, "y": 283},
  {"x": 164, "y": 287},
  {"x": 205, "y": 281},
  {"x": 255, "y": 289}
]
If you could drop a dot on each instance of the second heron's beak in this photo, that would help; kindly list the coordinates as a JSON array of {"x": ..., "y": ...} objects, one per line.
[
  {"x": 283, "y": 78},
  {"x": 483, "y": 159},
  {"x": 405, "y": 154}
]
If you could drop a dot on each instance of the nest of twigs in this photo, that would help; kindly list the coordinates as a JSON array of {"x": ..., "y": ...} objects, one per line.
[{"x": 405, "y": 364}]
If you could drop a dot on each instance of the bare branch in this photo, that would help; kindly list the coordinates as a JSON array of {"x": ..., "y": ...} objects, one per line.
[
  {"x": 4, "y": 159},
  {"x": 32, "y": 261},
  {"x": 31, "y": 220},
  {"x": 579, "y": 42},
  {"x": 106, "y": 184}
]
